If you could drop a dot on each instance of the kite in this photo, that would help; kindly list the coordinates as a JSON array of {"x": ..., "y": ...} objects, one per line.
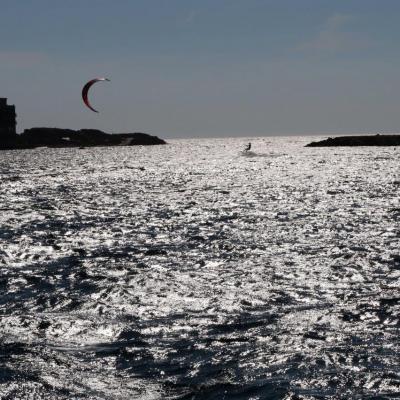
[{"x": 86, "y": 88}]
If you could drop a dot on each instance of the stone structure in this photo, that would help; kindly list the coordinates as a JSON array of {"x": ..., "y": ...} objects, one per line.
[{"x": 8, "y": 119}]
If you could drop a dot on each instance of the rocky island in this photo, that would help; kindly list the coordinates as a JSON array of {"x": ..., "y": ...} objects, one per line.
[
  {"x": 56, "y": 137},
  {"x": 366, "y": 140}
]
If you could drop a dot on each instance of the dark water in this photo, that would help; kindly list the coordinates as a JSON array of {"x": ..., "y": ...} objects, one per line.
[{"x": 192, "y": 271}]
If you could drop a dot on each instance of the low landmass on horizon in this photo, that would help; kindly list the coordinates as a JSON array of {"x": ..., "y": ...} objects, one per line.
[
  {"x": 56, "y": 137},
  {"x": 364, "y": 140}
]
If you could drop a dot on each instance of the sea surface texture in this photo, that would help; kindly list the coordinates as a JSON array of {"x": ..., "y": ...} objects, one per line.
[{"x": 196, "y": 271}]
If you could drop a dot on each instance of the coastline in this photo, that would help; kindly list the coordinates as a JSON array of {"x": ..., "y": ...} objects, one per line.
[
  {"x": 364, "y": 140},
  {"x": 61, "y": 138}
]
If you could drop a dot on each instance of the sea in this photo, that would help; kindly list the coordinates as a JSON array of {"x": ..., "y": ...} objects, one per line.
[{"x": 196, "y": 270}]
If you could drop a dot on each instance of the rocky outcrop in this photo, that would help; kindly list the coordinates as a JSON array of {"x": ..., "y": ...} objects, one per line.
[
  {"x": 370, "y": 140},
  {"x": 55, "y": 137}
]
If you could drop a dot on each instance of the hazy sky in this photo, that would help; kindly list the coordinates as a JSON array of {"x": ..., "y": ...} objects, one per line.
[{"x": 193, "y": 68}]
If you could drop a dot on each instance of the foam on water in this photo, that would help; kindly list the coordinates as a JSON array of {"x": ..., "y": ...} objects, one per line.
[{"x": 196, "y": 271}]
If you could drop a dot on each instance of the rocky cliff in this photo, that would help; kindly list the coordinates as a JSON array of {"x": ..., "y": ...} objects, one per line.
[
  {"x": 370, "y": 140},
  {"x": 55, "y": 137}
]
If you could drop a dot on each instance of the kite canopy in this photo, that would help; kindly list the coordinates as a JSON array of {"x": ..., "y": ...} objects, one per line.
[{"x": 86, "y": 88}]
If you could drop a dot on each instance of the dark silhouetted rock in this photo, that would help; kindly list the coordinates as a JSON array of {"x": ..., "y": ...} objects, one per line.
[
  {"x": 55, "y": 137},
  {"x": 370, "y": 140}
]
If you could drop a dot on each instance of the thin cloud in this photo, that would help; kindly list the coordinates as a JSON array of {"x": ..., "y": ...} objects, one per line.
[
  {"x": 335, "y": 36},
  {"x": 22, "y": 58},
  {"x": 191, "y": 17}
]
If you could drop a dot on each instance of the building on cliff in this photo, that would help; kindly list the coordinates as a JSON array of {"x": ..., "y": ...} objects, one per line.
[{"x": 8, "y": 119}]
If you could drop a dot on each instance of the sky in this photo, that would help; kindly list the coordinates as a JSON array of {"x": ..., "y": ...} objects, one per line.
[{"x": 204, "y": 68}]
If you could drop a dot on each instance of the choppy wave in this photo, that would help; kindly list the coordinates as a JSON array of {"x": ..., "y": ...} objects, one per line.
[{"x": 190, "y": 271}]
